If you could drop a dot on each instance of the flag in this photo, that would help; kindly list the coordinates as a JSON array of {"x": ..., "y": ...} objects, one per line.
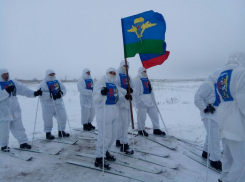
[
  {"x": 150, "y": 60},
  {"x": 143, "y": 33}
]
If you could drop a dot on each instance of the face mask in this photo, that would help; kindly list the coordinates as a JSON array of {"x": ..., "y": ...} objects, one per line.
[
  {"x": 144, "y": 74},
  {"x": 111, "y": 78},
  {"x": 51, "y": 78},
  {"x": 124, "y": 69}
]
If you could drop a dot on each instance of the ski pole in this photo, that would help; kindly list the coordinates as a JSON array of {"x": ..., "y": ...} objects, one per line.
[
  {"x": 208, "y": 148},
  {"x": 35, "y": 122},
  {"x": 103, "y": 132},
  {"x": 153, "y": 97},
  {"x": 58, "y": 120},
  {"x": 59, "y": 126},
  {"x": 135, "y": 129},
  {"x": 67, "y": 117}
]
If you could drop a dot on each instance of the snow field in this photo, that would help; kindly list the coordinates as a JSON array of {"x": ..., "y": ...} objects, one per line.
[{"x": 176, "y": 103}]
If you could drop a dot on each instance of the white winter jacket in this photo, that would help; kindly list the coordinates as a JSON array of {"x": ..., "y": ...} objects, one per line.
[
  {"x": 86, "y": 97},
  {"x": 46, "y": 99},
  {"x": 9, "y": 105},
  {"x": 141, "y": 100},
  {"x": 124, "y": 103},
  {"x": 99, "y": 100},
  {"x": 206, "y": 95},
  {"x": 231, "y": 114}
]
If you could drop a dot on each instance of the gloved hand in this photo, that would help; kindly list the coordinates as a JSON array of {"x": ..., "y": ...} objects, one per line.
[
  {"x": 38, "y": 92},
  {"x": 58, "y": 95},
  {"x": 104, "y": 91},
  {"x": 60, "y": 92},
  {"x": 150, "y": 89},
  {"x": 131, "y": 90},
  {"x": 54, "y": 96},
  {"x": 10, "y": 89},
  {"x": 128, "y": 97},
  {"x": 209, "y": 108}
]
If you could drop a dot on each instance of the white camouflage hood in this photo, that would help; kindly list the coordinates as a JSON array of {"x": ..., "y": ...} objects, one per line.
[
  {"x": 85, "y": 75},
  {"x": 236, "y": 58},
  {"x": 2, "y": 71},
  {"x": 50, "y": 78}
]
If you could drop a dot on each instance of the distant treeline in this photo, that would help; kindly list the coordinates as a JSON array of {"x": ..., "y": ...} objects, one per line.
[{"x": 153, "y": 80}]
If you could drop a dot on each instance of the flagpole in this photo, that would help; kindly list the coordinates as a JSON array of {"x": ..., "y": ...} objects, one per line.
[{"x": 130, "y": 102}]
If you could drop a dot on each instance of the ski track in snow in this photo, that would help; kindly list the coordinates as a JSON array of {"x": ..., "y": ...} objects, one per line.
[{"x": 176, "y": 103}]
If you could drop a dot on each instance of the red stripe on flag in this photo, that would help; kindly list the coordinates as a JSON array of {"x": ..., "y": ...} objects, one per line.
[{"x": 155, "y": 61}]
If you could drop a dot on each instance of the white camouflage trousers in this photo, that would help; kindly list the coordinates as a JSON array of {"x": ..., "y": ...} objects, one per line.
[
  {"x": 214, "y": 143},
  {"x": 48, "y": 112},
  {"x": 123, "y": 125},
  {"x": 87, "y": 115},
  {"x": 141, "y": 117},
  {"x": 233, "y": 161},
  {"x": 17, "y": 129},
  {"x": 107, "y": 116}
]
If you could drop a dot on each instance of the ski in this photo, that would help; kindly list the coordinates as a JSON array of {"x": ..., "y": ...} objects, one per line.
[
  {"x": 135, "y": 133},
  {"x": 200, "y": 160},
  {"x": 112, "y": 170},
  {"x": 17, "y": 156},
  {"x": 39, "y": 151},
  {"x": 81, "y": 129},
  {"x": 85, "y": 138},
  {"x": 192, "y": 150},
  {"x": 146, "y": 152},
  {"x": 71, "y": 142},
  {"x": 168, "y": 145},
  {"x": 123, "y": 163},
  {"x": 186, "y": 140},
  {"x": 163, "y": 164}
]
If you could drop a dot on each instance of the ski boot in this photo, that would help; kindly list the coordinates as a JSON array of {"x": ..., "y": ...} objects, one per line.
[
  {"x": 5, "y": 149},
  {"x": 118, "y": 144},
  {"x": 109, "y": 157},
  {"x": 158, "y": 132},
  {"x": 64, "y": 134},
  {"x": 86, "y": 127},
  {"x": 216, "y": 164},
  {"x": 91, "y": 126},
  {"x": 141, "y": 132},
  {"x": 49, "y": 136},
  {"x": 204, "y": 155},
  {"x": 99, "y": 163},
  {"x": 25, "y": 146},
  {"x": 125, "y": 148}
]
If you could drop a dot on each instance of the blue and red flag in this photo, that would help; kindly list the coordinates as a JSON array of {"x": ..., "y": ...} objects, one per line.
[
  {"x": 150, "y": 60},
  {"x": 143, "y": 33}
]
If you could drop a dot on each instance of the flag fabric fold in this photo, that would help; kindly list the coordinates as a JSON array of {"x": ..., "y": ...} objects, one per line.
[
  {"x": 143, "y": 33},
  {"x": 150, "y": 60}
]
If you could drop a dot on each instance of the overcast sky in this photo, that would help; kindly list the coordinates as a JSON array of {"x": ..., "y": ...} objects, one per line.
[{"x": 70, "y": 35}]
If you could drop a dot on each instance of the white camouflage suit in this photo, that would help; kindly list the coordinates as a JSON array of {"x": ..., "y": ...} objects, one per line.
[
  {"x": 204, "y": 96},
  {"x": 48, "y": 108},
  {"x": 86, "y": 98},
  {"x": 144, "y": 103},
  {"x": 106, "y": 115},
  {"x": 10, "y": 112},
  {"x": 231, "y": 118},
  {"x": 124, "y": 106}
]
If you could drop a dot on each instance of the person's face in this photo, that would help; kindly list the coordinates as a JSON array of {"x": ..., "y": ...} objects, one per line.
[
  {"x": 88, "y": 73},
  {"x": 145, "y": 72},
  {"x": 5, "y": 76},
  {"x": 52, "y": 74},
  {"x": 112, "y": 73}
]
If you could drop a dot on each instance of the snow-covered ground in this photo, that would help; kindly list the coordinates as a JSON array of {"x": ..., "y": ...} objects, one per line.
[{"x": 176, "y": 104}]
